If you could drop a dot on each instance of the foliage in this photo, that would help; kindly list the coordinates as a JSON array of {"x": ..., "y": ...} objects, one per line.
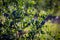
[{"x": 29, "y": 19}]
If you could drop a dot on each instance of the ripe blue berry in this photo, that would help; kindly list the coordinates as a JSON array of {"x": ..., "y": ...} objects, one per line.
[
  {"x": 11, "y": 24},
  {"x": 20, "y": 32},
  {"x": 49, "y": 17},
  {"x": 6, "y": 15},
  {"x": 14, "y": 13},
  {"x": 43, "y": 22}
]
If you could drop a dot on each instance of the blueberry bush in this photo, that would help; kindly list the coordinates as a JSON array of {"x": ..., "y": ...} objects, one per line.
[{"x": 29, "y": 19}]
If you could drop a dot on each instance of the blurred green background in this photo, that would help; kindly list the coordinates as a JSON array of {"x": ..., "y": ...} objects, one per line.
[{"x": 20, "y": 20}]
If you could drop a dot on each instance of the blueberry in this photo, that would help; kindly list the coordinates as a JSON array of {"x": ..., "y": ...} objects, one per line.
[
  {"x": 11, "y": 24},
  {"x": 49, "y": 17},
  {"x": 6, "y": 15},
  {"x": 57, "y": 20},
  {"x": 43, "y": 22},
  {"x": 14, "y": 13},
  {"x": 28, "y": 23},
  {"x": 20, "y": 32},
  {"x": 53, "y": 17},
  {"x": 17, "y": 16}
]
